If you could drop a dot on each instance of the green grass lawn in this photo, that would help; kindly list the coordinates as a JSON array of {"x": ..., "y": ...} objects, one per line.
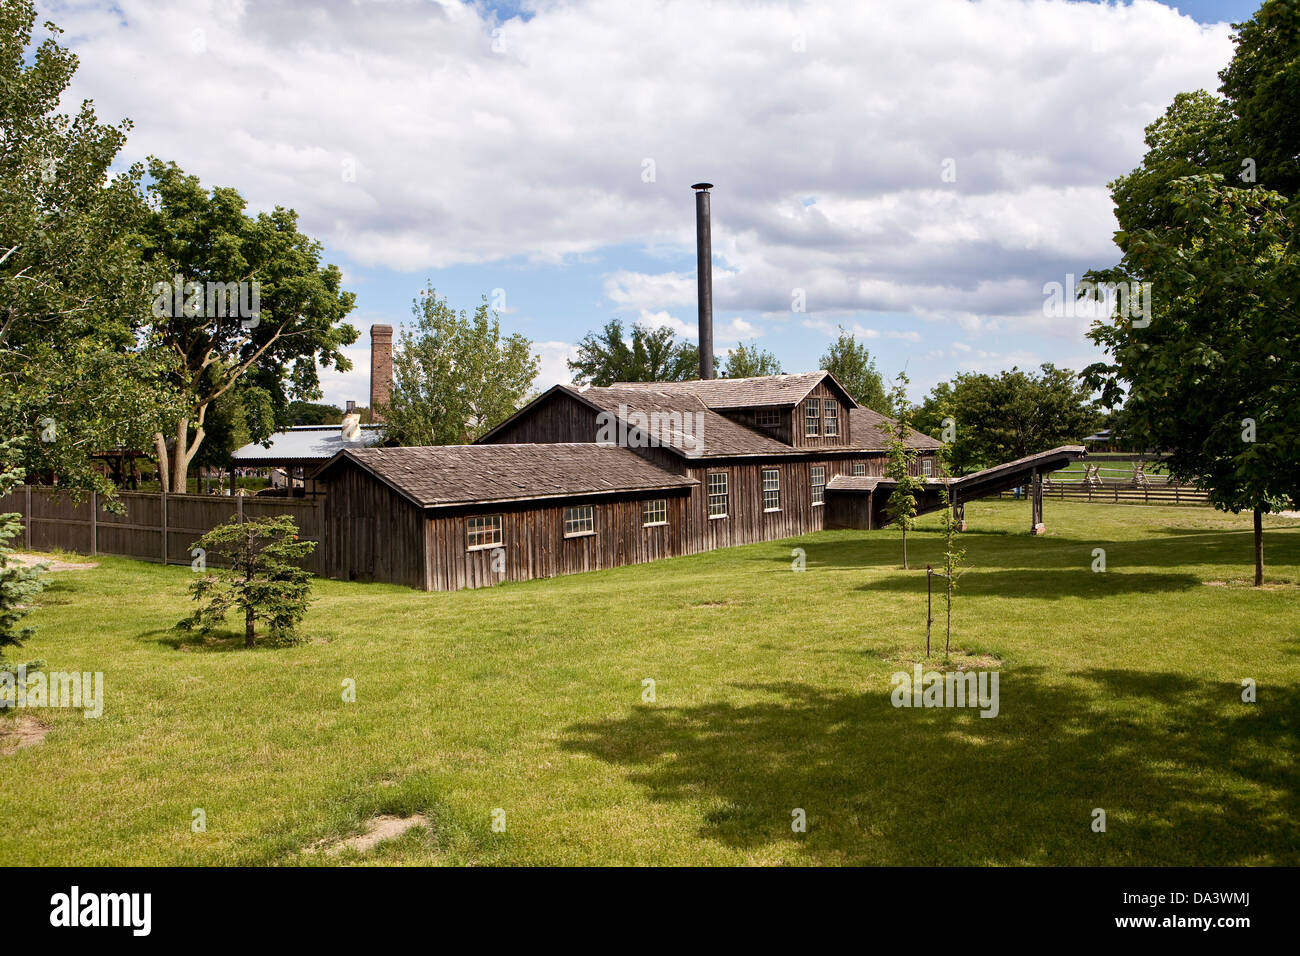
[{"x": 1119, "y": 690}]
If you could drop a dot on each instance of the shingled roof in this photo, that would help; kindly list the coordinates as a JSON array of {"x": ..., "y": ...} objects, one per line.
[
  {"x": 765, "y": 390},
  {"x": 449, "y": 475}
]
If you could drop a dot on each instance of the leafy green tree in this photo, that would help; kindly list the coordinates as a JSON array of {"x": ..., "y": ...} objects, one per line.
[
  {"x": 455, "y": 377},
  {"x": 74, "y": 376},
  {"x": 855, "y": 369},
  {"x": 18, "y": 583},
  {"x": 1215, "y": 378},
  {"x": 749, "y": 361},
  {"x": 987, "y": 419},
  {"x": 313, "y": 413},
  {"x": 651, "y": 355},
  {"x": 1208, "y": 219},
  {"x": 900, "y": 459},
  {"x": 264, "y": 580},
  {"x": 203, "y": 239}
]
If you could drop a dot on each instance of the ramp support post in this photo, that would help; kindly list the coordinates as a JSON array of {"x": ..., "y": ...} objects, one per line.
[{"x": 1036, "y": 504}]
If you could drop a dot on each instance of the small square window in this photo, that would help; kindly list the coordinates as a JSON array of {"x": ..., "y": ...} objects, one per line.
[
  {"x": 859, "y": 470},
  {"x": 768, "y": 418},
  {"x": 482, "y": 532},
  {"x": 771, "y": 489},
  {"x": 717, "y": 494},
  {"x": 579, "y": 521},
  {"x": 818, "y": 484},
  {"x": 654, "y": 512},
  {"x": 812, "y": 416}
]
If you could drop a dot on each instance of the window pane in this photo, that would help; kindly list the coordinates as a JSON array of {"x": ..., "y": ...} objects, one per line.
[
  {"x": 578, "y": 520},
  {"x": 655, "y": 512},
  {"x": 717, "y": 494},
  {"x": 812, "y": 415},
  {"x": 859, "y": 470},
  {"x": 483, "y": 532},
  {"x": 771, "y": 489},
  {"x": 818, "y": 484},
  {"x": 832, "y": 417}
]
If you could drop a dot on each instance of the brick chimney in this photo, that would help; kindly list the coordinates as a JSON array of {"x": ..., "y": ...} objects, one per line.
[{"x": 381, "y": 368}]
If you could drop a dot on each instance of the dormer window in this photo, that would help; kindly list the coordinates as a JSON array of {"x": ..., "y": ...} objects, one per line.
[
  {"x": 768, "y": 418},
  {"x": 812, "y": 417},
  {"x": 832, "y": 418}
]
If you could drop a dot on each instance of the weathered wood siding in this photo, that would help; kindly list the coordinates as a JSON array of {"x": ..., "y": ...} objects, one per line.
[
  {"x": 533, "y": 544},
  {"x": 561, "y": 418},
  {"x": 371, "y": 532},
  {"x": 820, "y": 394}
]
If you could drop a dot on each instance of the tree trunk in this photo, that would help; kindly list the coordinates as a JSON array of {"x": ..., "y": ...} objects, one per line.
[
  {"x": 1259, "y": 546},
  {"x": 249, "y": 638},
  {"x": 163, "y": 464},
  {"x": 904, "y": 549}
]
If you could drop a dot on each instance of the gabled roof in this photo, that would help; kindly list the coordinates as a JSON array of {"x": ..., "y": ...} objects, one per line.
[
  {"x": 304, "y": 444},
  {"x": 762, "y": 391},
  {"x": 449, "y": 475},
  {"x": 868, "y": 430}
]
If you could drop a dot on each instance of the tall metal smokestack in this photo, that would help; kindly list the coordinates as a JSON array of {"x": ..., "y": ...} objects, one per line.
[{"x": 704, "y": 272}]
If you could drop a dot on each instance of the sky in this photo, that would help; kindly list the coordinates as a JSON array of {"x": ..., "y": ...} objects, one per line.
[{"x": 913, "y": 171}]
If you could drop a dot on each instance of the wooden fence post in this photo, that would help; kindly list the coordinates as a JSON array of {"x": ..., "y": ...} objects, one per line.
[
  {"x": 94, "y": 522},
  {"x": 239, "y": 508},
  {"x": 164, "y": 528},
  {"x": 27, "y": 520}
]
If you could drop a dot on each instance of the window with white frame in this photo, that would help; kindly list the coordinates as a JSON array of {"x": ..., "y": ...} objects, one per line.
[
  {"x": 812, "y": 416},
  {"x": 579, "y": 521},
  {"x": 832, "y": 414},
  {"x": 482, "y": 532},
  {"x": 859, "y": 470},
  {"x": 927, "y": 466},
  {"x": 768, "y": 418},
  {"x": 818, "y": 484},
  {"x": 771, "y": 489},
  {"x": 717, "y": 494},
  {"x": 654, "y": 512}
]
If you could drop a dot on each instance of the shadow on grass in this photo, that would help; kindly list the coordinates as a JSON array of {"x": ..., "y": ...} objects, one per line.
[
  {"x": 1041, "y": 585},
  {"x": 1185, "y": 772},
  {"x": 214, "y": 642}
]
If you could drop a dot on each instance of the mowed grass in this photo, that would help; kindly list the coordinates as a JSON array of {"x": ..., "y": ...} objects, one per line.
[{"x": 1119, "y": 690}]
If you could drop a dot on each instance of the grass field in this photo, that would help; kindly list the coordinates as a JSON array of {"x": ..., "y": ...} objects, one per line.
[{"x": 1118, "y": 690}]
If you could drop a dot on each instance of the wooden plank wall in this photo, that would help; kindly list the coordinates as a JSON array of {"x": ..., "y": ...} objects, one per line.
[
  {"x": 372, "y": 533},
  {"x": 534, "y": 546},
  {"x": 56, "y": 521},
  {"x": 821, "y": 392},
  {"x": 559, "y": 419}
]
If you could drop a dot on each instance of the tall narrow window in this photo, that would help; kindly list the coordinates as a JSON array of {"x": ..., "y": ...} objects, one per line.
[
  {"x": 812, "y": 416},
  {"x": 579, "y": 521},
  {"x": 818, "y": 484},
  {"x": 771, "y": 489},
  {"x": 717, "y": 494},
  {"x": 654, "y": 512},
  {"x": 832, "y": 417},
  {"x": 482, "y": 532},
  {"x": 859, "y": 470},
  {"x": 927, "y": 466}
]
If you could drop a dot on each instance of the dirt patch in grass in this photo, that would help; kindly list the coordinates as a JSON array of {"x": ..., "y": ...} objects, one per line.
[
  {"x": 378, "y": 829},
  {"x": 20, "y": 732},
  {"x": 52, "y": 564}
]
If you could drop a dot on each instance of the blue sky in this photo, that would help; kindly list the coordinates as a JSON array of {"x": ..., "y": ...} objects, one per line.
[{"x": 918, "y": 170}]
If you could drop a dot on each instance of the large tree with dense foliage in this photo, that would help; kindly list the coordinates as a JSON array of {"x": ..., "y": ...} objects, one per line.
[
  {"x": 204, "y": 238},
  {"x": 455, "y": 376},
  {"x": 749, "y": 361},
  {"x": 987, "y": 419},
  {"x": 19, "y": 583},
  {"x": 854, "y": 367},
  {"x": 75, "y": 377},
  {"x": 1214, "y": 378},
  {"x": 647, "y": 355}
]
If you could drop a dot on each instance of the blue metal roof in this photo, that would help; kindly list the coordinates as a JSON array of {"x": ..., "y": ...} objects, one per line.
[{"x": 306, "y": 443}]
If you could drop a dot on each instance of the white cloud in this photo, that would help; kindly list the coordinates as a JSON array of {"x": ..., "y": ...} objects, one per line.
[{"x": 405, "y": 137}]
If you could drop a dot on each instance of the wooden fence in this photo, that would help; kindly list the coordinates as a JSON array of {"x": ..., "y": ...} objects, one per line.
[
  {"x": 153, "y": 527},
  {"x": 1119, "y": 486}
]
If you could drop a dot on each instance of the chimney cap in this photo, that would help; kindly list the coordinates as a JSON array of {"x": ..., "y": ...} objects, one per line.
[{"x": 702, "y": 186}]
